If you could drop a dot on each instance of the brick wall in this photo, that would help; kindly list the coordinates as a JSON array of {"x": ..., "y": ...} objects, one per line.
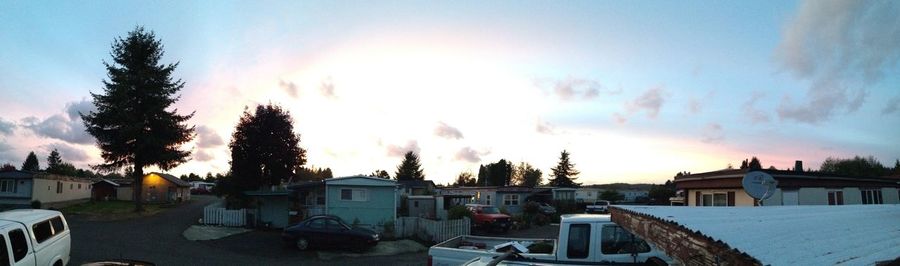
[{"x": 680, "y": 243}]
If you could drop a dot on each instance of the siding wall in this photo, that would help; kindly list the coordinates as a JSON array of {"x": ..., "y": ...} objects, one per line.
[
  {"x": 22, "y": 189},
  {"x": 819, "y": 196},
  {"x": 740, "y": 197},
  {"x": 156, "y": 190},
  {"x": 45, "y": 191},
  {"x": 376, "y": 210}
]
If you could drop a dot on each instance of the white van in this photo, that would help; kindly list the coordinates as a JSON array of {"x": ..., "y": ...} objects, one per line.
[{"x": 34, "y": 237}]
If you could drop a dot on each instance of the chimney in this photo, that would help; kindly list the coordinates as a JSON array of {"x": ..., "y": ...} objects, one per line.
[{"x": 798, "y": 166}]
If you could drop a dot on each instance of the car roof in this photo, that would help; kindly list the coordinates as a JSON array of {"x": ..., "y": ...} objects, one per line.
[
  {"x": 584, "y": 218},
  {"x": 28, "y": 216}
]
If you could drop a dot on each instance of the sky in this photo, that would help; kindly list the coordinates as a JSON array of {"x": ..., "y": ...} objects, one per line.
[{"x": 636, "y": 91}]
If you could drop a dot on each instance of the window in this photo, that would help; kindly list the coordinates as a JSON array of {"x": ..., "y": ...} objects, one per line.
[
  {"x": 4, "y": 252},
  {"x": 317, "y": 224},
  {"x": 334, "y": 225},
  {"x": 58, "y": 187},
  {"x": 58, "y": 226},
  {"x": 707, "y": 200},
  {"x": 79, "y": 186},
  {"x": 42, "y": 231},
  {"x": 19, "y": 246},
  {"x": 8, "y": 186},
  {"x": 835, "y": 197},
  {"x": 511, "y": 200},
  {"x": 416, "y": 203},
  {"x": 615, "y": 240},
  {"x": 579, "y": 241},
  {"x": 715, "y": 199},
  {"x": 871, "y": 196},
  {"x": 354, "y": 194},
  {"x": 488, "y": 200},
  {"x": 71, "y": 186}
]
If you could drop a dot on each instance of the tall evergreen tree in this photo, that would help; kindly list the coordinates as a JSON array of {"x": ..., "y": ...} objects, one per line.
[
  {"x": 31, "y": 163},
  {"x": 134, "y": 123},
  {"x": 55, "y": 165},
  {"x": 264, "y": 149},
  {"x": 482, "y": 176},
  {"x": 381, "y": 174},
  {"x": 754, "y": 164},
  {"x": 410, "y": 168},
  {"x": 54, "y": 161},
  {"x": 564, "y": 173}
]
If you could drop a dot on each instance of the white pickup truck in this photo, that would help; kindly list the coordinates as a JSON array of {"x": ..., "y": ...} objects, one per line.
[
  {"x": 34, "y": 237},
  {"x": 599, "y": 206},
  {"x": 583, "y": 238}
]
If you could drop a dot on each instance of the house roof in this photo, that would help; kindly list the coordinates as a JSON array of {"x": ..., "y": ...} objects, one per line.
[
  {"x": 360, "y": 181},
  {"x": 19, "y": 174},
  {"x": 732, "y": 178},
  {"x": 171, "y": 178},
  {"x": 416, "y": 183},
  {"x": 844, "y": 234},
  {"x": 104, "y": 180}
]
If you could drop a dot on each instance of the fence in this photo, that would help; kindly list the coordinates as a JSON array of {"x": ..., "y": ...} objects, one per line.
[
  {"x": 437, "y": 231},
  {"x": 216, "y": 214}
]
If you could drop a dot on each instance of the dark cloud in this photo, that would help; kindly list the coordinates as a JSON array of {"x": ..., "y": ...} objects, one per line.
[
  {"x": 397, "y": 151},
  {"x": 713, "y": 133},
  {"x": 67, "y": 127},
  {"x": 203, "y": 156},
  {"x": 327, "y": 89},
  {"x": 841, "y": 48},
  {"x": 6, "y": 127},
  {"x": 575, "y": 88},
  {"x": 7, "y": 154},
  {"x": 290, "y": 88},
  {"x": 446, "y": 131},
  {"x": 208, "y": 138},
  {"x": 892, "y": 106},
  {"x": 649, "y": 102},
  {"x": 469, "y": 155},
  {"x": 752, "y": 113},
  {"x": 67, "y": 152}
]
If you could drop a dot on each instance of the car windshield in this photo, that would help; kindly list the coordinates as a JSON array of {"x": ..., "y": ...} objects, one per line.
[{"x": 490, "y": 210}]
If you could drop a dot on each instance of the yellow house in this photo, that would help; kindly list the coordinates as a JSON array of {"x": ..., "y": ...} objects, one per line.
[{"x": 164, "y": 188}]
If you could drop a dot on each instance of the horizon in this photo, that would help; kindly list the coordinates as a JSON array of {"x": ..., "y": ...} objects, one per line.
[{"x": 635, "y": 91}]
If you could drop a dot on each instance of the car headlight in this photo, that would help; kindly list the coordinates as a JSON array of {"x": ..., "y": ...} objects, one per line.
[{"x": 375, "y": 236}]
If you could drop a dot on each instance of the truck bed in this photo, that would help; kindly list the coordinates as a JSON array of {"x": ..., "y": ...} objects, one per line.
[{"x": 458, "y": 250}]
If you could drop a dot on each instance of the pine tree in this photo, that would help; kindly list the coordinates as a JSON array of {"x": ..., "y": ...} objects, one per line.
[
  {"x": 54, "y": 161},
  {"x": 134, "y": 124},
  {"x": 31, "y": 163},
  {"x": 564, "y": 173},
  {"x": 410, "y": 168},
  {"x": 265, "y": 151},
  {"x": 754, "y": 164}
]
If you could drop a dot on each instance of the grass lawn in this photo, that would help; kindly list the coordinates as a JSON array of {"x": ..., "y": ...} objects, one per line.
[{"x": 112, "y": 210}]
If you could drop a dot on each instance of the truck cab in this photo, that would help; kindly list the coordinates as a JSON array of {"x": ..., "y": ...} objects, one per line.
[
  {"x": 489, "y": 217},
  {"x": 34, "y": 237}
]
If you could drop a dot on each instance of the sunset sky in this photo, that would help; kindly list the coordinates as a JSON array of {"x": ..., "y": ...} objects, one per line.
[{"x": 636, "y": 91}]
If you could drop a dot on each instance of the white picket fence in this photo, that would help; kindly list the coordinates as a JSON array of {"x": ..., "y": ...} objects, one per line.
[
  {"x": 216, "y": 214},
  {"x": 437, "y": 231}
]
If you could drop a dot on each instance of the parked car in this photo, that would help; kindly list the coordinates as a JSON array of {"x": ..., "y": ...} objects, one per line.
[
  {"x": 36, "y": 237},
  {"x": 326, "y": 231},
  {"x": 584, "y": 239},
  {"x": 599, "y": 206},
  {"x": 488, "y": 217},
  {"x": 547, "y": 209}
]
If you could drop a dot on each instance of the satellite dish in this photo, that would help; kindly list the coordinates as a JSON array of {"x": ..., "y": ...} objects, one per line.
[{"x": 759, "y": 185}]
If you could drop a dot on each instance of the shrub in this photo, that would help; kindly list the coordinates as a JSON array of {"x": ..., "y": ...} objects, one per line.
[
  {"x": 388, "y": 229},
  {"x": 531, "y": 207},
  {"x": 521, "y": 222},
  {"x": 36, "y": 204},
  {"x": 542, "y": 220},
  {"x": 503, "y": 210},
  {"x": 355, "y": 222},
  {"x": 458, "y": 212}
]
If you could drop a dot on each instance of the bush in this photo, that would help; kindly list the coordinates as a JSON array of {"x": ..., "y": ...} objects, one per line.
[
  {"x": 503, "y": 210},
  {"x": 531, "y": 207},
  {"x": 541, "y": 219},
  {"x": 36, "y": 204},
  {"x": 388, "y": 229},
  {"x": 458, "y": 212}
]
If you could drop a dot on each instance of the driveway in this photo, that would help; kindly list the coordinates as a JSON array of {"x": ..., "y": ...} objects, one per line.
[{"x": 158, "y": 239}]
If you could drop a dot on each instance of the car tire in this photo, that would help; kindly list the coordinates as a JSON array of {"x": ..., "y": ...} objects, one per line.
[
  {"x": 654, "y": 261},
  {"x": 302, "y": 244}
]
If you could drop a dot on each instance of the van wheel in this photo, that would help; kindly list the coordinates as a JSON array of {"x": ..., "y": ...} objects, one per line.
[
  {"x": 654, "y": 261},
  {"x": 302, "y": 244},
  {"x": 58, "y": 263}
]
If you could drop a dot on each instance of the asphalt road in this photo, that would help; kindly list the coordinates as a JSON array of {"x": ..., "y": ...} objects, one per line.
[{"x": 158, "y": 239}]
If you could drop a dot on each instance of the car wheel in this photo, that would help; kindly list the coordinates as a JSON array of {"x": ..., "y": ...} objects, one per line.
[{"x": 302, "y": 244}]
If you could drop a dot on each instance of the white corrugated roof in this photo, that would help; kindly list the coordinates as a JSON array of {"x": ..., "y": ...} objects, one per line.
[{"x": 796, "y": 235}]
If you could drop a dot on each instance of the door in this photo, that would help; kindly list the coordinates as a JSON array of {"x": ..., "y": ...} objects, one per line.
[
  {"x": 620, "y": 246},
  {"x": 576, "y": 243},
  {"x": 790, "y": 197},
  {"x": 20, "y": 251}
]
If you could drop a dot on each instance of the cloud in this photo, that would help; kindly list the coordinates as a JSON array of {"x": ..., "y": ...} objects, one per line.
[
  {"x": 290, "y": 88},
  {"x": 446, "y": 131},
  {"x": 695, "y": 105},
  {"x": 327, "y": 89},
  {"x": 397, "y": 151},
  {"x": 755, "y": 115},
  {"x": 67, "y": 127},
  {"x": 208, "y": 138},
  {"x": 575, "y": 88},
  {"x": 713, "y": 133},
  {"x": 469, "y": 155},
  {"x": 544, "y": 128},
  {"x": 203, "y": 156},
  {"x": 68, "y": 152},
  {"x": 892, "y": 106},
  {"x": 7, "y": 155},
  {"x": 841, "y": 48},
  {"x": 6, "y": 127},
  {"x": 649, "y": 102}
]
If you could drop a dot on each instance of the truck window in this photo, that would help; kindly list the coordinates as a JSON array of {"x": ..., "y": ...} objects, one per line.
[
  {"x": 615, "y": 240},
  {"x": 42, "y": 231},
  {"x": 58, "y": 225},
  {"x": 4, "y": 252},
  {"x": 19, "y": 246},
  {"x": 579, "y": 240}
]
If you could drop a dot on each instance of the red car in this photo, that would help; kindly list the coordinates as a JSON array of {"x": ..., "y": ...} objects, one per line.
[{"x": 489, "y": 217}]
